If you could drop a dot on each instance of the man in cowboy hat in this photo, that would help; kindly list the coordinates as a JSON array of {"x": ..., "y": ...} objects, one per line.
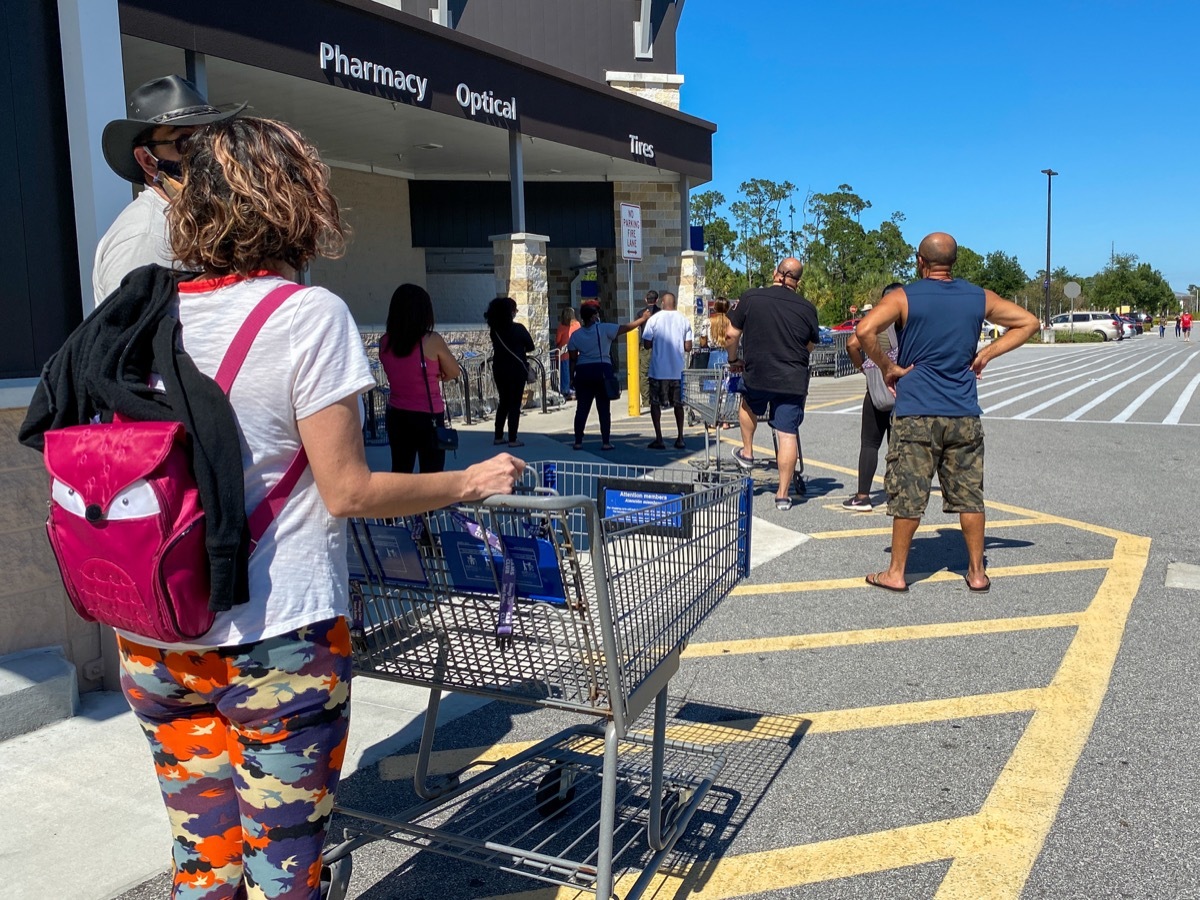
[{"x": 146, "y": 149}]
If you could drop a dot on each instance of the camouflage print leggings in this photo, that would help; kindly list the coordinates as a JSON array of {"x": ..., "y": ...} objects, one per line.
[{"x": 248, "y": 744}]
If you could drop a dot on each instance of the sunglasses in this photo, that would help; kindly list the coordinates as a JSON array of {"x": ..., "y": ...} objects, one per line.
[{"x": 180, "y": 143}]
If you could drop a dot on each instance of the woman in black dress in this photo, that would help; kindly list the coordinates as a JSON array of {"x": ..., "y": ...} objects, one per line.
[{"x": 510, "y": 343}]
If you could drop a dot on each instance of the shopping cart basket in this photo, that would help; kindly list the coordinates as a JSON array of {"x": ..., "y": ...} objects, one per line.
[
  {"x": 579, "y": 592},
  {"x": 711, "y": 397}
]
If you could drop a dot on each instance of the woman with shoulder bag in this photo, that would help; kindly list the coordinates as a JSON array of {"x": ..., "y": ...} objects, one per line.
[
  {"x": 511, "y": 343},
  {"x": 417, "y": 361},
  {"x": 248, "y": 723},
  {"x": 876, "y": 415},
  {"x": 592, "y": 371}
]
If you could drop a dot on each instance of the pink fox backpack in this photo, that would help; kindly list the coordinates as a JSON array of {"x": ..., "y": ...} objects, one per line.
[{"x": 125, "y": 521}]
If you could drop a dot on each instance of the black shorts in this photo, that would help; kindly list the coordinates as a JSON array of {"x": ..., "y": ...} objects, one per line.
[{"x": 665, "y": 393}]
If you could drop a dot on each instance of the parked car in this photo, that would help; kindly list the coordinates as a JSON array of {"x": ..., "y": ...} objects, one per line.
[
  {"x": 991, "y": 331},
  {"x": 1132, "y": 325},
  {"x": 1101, "y": 323},
  {"x": 848, "y": 325}
]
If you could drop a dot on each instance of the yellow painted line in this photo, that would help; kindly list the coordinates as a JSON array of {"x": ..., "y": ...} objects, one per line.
[
  {"x": 754, "y": 728},
  {"x": 881, "y": 635},
  {"x": 841, "y": 401},
  {"x": 1026, "y": 797},
  {"x": 858, "y": 581},
  {"x": 923, "y": 529}
]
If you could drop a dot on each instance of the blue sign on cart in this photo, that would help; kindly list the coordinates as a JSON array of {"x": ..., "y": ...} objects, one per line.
[
  {"x": 473, "y": 567},
  {"x": 396, "y": 555},
  {"x": 658, "y": 506}
]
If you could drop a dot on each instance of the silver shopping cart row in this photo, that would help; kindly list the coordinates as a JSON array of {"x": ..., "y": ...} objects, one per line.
[{"x": 577, "y": 593}]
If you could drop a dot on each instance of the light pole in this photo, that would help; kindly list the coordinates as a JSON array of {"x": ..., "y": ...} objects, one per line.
[{"x": 1049, "y": 173}]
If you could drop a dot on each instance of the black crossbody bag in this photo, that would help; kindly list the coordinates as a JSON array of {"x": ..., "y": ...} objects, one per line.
[{"x": 444, "y": 437}]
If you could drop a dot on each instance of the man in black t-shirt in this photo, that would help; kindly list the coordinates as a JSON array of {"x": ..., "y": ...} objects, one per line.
[{"x": 776, "y": 329}]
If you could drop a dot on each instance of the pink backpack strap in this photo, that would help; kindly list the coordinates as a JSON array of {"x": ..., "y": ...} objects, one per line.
[{"x": 268, "y": 510}]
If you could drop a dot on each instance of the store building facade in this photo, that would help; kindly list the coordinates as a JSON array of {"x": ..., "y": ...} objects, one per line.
[{"x": 477, "y": 148}]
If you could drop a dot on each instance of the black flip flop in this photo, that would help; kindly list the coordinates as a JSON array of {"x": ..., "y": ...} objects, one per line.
[
  {"x": 987, "y": 586},
  {"x": 873, "y": 581}
]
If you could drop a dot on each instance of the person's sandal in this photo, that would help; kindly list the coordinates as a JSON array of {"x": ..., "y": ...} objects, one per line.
[
  {"x": 783, "y": 504},
  {"x": 607, "y": 447}
]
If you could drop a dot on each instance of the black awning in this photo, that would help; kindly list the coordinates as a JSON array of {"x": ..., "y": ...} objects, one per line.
[{"x": 372, "y": 49}]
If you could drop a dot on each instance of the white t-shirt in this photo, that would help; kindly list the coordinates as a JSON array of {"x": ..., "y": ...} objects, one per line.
[
  {"x": 137, "y": 237},
  {"x": 670, "y": 330},
  {"x": 307, "y": 356},
  {"x": 593, "y": 343}
]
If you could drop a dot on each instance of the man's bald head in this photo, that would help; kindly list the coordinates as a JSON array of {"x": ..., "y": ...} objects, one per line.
[
  {"x": 666, "y": 300},
  {"x": 788, "y": 272},
  {"x": 939, "y": 249}
]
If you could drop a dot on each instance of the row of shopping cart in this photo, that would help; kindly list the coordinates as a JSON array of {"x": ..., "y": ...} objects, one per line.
[{"x": 577, "y": 593}]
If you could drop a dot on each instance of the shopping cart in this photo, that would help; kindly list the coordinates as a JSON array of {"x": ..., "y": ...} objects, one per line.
[
  {"x": 578, "y": 593},
  {"x": 712, "y": 399}
]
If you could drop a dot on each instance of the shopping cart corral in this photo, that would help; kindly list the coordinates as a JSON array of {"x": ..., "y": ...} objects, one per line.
[{"x": 577, "y": 593}]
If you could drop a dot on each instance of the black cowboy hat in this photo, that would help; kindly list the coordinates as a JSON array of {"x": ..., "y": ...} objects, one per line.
[{"x": 164, "y": 101}]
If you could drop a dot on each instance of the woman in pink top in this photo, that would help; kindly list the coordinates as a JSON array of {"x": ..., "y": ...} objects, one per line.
[{"x": 415, "y": 406}]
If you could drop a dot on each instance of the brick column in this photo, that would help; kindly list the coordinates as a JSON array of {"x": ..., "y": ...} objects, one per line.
[
  {"x": 520, "y": 269},
  {"x": 692, "y": 284}
]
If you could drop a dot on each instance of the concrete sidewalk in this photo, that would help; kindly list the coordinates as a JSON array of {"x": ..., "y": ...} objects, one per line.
[{"x": 84, "y": 818}]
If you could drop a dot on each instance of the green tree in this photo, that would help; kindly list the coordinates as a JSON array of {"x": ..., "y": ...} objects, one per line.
[
  {"x": 1125, "y": 282},
  {"x": 764, "y": 239},
  {"x": 970, "y": 266},
  {"x": 1003, "y": 274},
  {"x": 720, "y": 241}
]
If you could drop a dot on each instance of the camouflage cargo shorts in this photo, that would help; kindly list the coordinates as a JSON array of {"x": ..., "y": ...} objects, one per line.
[{"x": 919, "y": 446}]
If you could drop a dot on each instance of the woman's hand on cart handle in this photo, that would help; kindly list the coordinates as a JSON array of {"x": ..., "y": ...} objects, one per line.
[
  {"x": 492, "y": 476},
  {"x": 737, "y": 365}
]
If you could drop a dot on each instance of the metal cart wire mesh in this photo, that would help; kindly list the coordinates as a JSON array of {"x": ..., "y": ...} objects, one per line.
[
  {"x": 709, "y": 399},
  {"x": 616, "y": 567}
]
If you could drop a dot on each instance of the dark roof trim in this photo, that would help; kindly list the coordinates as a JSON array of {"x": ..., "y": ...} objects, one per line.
[{"x": 406, "y": 60}]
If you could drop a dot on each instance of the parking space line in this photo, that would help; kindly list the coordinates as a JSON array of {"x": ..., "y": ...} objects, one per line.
[
  {"x": 923, "y": 529},
  {"x": 881, "y": 635},
  {"x": 858, "y": 581}
]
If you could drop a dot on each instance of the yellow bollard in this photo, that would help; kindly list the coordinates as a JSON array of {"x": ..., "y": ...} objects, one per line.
[{"x": 633, "y": 342}]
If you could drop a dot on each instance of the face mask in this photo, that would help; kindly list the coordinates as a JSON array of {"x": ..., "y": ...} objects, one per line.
[{"x": 172, "y": 168}]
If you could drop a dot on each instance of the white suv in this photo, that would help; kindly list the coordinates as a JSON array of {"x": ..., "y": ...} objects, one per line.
[{"x": 1100, "y": 323}]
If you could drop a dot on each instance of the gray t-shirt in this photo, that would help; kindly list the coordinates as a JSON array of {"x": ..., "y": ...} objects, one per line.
[{"x": 137, "y": 237}]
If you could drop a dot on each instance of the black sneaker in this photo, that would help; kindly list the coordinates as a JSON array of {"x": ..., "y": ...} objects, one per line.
[{"x": 860, "y": 504}]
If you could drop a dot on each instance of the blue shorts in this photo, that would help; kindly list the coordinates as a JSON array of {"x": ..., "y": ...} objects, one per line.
[{"x": 787, "y": 410}]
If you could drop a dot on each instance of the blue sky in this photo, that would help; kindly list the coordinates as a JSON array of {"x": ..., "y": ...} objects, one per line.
[{"x": 948, "y": 112}]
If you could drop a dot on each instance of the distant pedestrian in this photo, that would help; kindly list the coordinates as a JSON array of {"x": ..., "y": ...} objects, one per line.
[
  {"x": 935, "y": 423},
  {"x": 416, "y": 361},
  {"x": 510, "y": 344},
  {"x": 878, "y": 401},
  {"x": 1186, "y": 321},
  {"x": 591, "y": 368},
  {"x": 1178, "y": 327},
  {"x": 644, "y": 355},
  {"x": 668, "y": 337},
  {"x": 718, "y": 327},
  {"x": 1162, "y": 328},
  {"x": 567, "y": 326},
  {"x": 776, "y": 328}
]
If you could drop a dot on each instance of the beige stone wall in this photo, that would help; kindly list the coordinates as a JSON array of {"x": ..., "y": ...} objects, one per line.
[
  {"x": 659, "y": 267},
  {"x": 34, "y": 609},
  {"x": 660, "y": 89},
  {"x": 379, "y": 254},
  {"x": 692, "y": 284}
]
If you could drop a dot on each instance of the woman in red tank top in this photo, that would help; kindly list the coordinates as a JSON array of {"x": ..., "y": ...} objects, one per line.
[{"x": 416, "y": 361}]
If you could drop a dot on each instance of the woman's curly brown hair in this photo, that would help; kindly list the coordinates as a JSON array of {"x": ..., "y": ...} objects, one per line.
[{"x": 253, "y": 190}]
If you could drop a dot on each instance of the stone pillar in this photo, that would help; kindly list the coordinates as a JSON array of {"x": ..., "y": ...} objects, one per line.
[
  {"x": 520, "y": 268},
  {"x": 692, "y": 284},
  {"x": 660, "y": 88}
]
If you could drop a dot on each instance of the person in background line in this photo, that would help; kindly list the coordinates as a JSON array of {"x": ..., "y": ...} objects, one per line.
[
  {"x": 936, "y": 424},
  {"x": 777, "y": 329},
  {"x": 652, "y": 307},
  {"x": 510, "y": 345},
  {"x": 589, "y": 349},
  {"x": 668, "y": 337},
  {"x": 876, "y": 422},
  {"x": 718, "y": 328},
  {"x": 147, "y": 150},
  {"x": 417, "y": 361},
  {"x": 567, "y": 326},
  {"x": 248, "y": 724}
]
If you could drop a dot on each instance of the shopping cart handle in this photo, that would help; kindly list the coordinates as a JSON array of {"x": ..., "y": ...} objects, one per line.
[{"x": 546, "y": 503}]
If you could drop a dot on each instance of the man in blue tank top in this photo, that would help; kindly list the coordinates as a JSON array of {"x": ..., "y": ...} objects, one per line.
[{"x": 935, "y": 424}]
